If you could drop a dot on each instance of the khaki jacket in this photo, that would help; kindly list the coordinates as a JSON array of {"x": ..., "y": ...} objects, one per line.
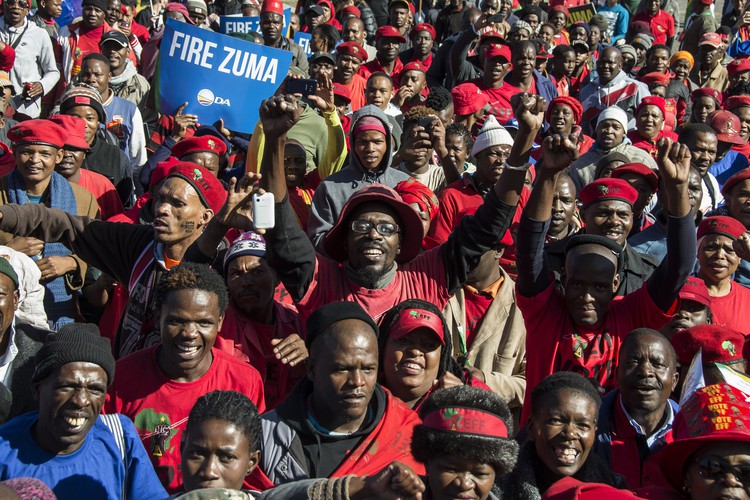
[{"x": 499, "y": 348}]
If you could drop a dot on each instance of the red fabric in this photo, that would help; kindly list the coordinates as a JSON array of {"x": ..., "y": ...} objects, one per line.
[
  {"x": 662, "y": 25},
  {"x": 499, "y": 99},
  {"x": 374, "y": 66},
  {"x": 104, "y": 191},
  {"x": 577, "y": 82},
  {"x": 731, "y": 310},
  {"x": 301, "y": 198},
  {"x": 250, "y": 342},
  {"x": 164, "y": 128},
  {"x": 426, "y": 63},
  {"x": 476, "y": 307},
  {"x": 131, "y": 216},
  {"x": 356, "y": 90},
  {"x": 671, "y": 113},
  {"x": 389, "y": 441},
  {"x": 7, "y": 161},
  {"x": 743, "y": 149},
  {"x": 110, "y": 320},
  {"x": 561, "y": 38},
  {"x": 647, "y": 145},
  {"x": 84, "y": 42},
  {"x": 557, "y": 344},
  {"x": 140, "y": 32},
  {"x": 159, "y": 407},
  {"x": 625, "y": 457}
]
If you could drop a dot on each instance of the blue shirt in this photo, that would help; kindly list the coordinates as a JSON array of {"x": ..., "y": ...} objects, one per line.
[
  {"x": 725, "y": 168},
  {"x": 94, "y": 471},
  {"x": 617, "y": 19}
]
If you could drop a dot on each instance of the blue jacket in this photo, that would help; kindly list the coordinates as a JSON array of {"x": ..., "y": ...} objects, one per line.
[{"x": 545, "y": 87}]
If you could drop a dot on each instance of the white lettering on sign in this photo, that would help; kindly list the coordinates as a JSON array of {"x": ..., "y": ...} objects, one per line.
[{"x": 236, "y": 62}]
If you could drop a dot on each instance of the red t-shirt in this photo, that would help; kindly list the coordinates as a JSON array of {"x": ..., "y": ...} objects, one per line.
[
  {"x": 374, "y": 66},
  {"x": 557, "y": 344},
  {"x": 649, "y": 145},
  {"x": 499, "y": 99},
  {"x": 104, "y": 192},
  {"x": 476, "y": 305},
  {"x": 662, "y": 25},
  {"x": 357, "y": 92},
  {"x": 159, "y": 407},
  {"x": 732, "y": 309}
]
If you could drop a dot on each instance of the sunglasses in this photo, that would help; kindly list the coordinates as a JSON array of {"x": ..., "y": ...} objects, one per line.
[{"x": 713, "y": 468}]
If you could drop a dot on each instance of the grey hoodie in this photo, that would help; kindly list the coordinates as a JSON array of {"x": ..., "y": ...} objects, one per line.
[{"x": 334, "y": 191}]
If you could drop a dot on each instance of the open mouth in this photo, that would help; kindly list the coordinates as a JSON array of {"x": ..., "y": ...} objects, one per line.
[
  {"x": 186, "y": 351},
  {"x": 411, "y": 367},
  {"x": 566, "y": 455}
]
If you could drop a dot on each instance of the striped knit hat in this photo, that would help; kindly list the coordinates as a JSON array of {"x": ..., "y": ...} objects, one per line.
[{"x": 83, "y": 95}]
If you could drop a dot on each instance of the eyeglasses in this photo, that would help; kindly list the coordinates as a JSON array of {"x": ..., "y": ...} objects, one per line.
[
  {"x": 384, "y": 228},
  {"x": 714, "y": 469},
  {"x": 22, "y": 3}
]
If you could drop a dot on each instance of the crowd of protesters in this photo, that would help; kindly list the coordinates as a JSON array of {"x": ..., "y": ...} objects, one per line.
[{"x": 509, "y": 256}]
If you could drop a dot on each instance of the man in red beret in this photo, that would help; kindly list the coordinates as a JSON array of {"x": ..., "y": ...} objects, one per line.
[
  {"x": 271, "y": 25},
  {"x": 422, "y": 37},
  {"x": 37, "y": 148},
  {"x": 695, "y": 308},
  {"x": 412, "y": 84},
  {"x": 718, "y": 344},
  {"x": 739, "y": 105},
  {"x": 206, "y": 151},
  {"x": 351, "y": 56},
  {"x": 738, "y": 71},
  {"x": 645, "y": 181},
  {"x": 717, "y": 238},
  {"x": 728, "y": 162},
  {"x": 388, "y": 41},
  {"x": 580, "y": 327},
  {"x": 133, "y": 254}
]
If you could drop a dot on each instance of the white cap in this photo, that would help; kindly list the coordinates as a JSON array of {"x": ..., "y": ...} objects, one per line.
[
  {"x": 492, "y": 134},
  {"x": 614, "y": 113}
]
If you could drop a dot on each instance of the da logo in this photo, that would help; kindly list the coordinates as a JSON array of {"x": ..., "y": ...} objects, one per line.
[{"x": 206, "y": 98}]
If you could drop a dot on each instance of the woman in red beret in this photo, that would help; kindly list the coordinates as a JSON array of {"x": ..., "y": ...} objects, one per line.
[
  {"x": 718, "y": 261},
  {"x": 650, "y": 116},
  {"x": 740, "y": 106},
  {"x": 563, "y": 114}
]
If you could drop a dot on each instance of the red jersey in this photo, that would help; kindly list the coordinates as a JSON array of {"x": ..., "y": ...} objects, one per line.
[
  {"x": 499, "y": 99},
  {"x": 662, "y": 25},
  {"x": 732, "y": 309},
  {"x": 558, "y": 344},
  {"x": 357, "y": 91},
  {"x": 104, "y": 192},
  {"x": 159, "y": 407}
]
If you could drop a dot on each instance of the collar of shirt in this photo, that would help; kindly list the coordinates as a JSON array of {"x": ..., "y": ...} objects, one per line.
[
  {"x": 658, "y": 436},
  {"x": 490, "y": 291},
  {"x": 19, "y": 29},
  {"x": 10, "y": 354}
]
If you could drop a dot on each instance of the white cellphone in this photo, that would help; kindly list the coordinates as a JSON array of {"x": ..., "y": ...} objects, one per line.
[{"x": 263, "y": 211}]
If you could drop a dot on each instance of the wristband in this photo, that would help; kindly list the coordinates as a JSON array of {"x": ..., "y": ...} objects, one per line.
[{"x": 519, "y": 168}]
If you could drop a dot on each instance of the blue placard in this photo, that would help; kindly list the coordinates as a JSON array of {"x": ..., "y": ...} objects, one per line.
[
  {"x": 303, "y": 40},
  {"x": 238, "y": 24},
  {"x": 217, "y": 75}
]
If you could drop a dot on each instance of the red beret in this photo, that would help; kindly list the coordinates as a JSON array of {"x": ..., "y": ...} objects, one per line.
[
  {"x": 653, "y": 100},
  {"x": 350, "y": 9},
  {"x": 707, "y": 92},
  {"x": 738, "y": 66},
  {"x": 342, "y": 91},
  {"x": 727, "y": 126},
  {"x": 718, "y": 344},
  {"x": 468, "y": 99},
  {"x": 571, "y": 102},
  {"x": 695, "y": 290},
  {"x": 75, "y": 128},
  {"x": 737, "y": 101},
  {"x": 413, "y": 191},
  {"x": 490, "y": 35},
  {"x": 161, "y": 170},
  {"x": 498, "y": 50},
  {"x": 721, "y": 224},
  {"x": 561, "y": 7},
  {"x": 637, "y": 169},
  {"x": 209, "y": 188},
  {"x": 414, "y": 66},
  {"x": 202, "y": 144},
  {"x": 423, "y": 27},
  {"x": 656, "y": 77},
  {"x": 275, "y": 6},
  {"x": 569, "y": 488},
  {"x": 42, "y": 132},
  {"x": 389, "y": 32},
  {"x": 740, "y": 176},
  {"x": 352, "y": 49},
  {"x": 608, "y": 189}
]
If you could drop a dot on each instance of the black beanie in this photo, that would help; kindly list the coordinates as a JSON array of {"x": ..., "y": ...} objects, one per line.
[
  {"x": 74, "y": 342},
  {"x": 101, "y": 4},
  {"x": 322, "y": 319}
]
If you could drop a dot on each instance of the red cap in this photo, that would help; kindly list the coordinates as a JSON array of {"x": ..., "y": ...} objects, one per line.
[
  {"x": 202, "y": 144},
  {"x": 696, "y": 425},
  {"x": 275, "y": 6},
  {"x": 498, "y": 50},
  {"x": 178, "y": 7},
  {"x": 721, "y": 224},
  {"x": 653, "y": 100},
  {"x": 718, "y": 344},
  {"x": 161, "y": 171},
  {"x": 352, "y": 49},
  {"x": 608, "y": 189},
  {"x": 414, "y": 66},
  {"x": 710, "y": 39},
  {"x": 209, "y": 188},
  {"x": 656, "y": 77},
  {"x": 695, "y": 290},
  {"x": 737, "y": 101},
  {"x": 42, "y": 132},
  {"x": 708, "y": 92},
  {"x": 726, "y": 125},
  {"x": 740, "y": 176},
  {"x": 707, "y": 2},
  {"x": 411, "y": 319},
  {"x": 490, "y": 35},
  {"x": 75, "y": 128},
  {"x": 350, "y": 9},
  {"x": 423, "y": 27},
  {"x": 739, "y": 66},
  {"x": 413, "y": 191},
  {"x": 468, "y": 99},
  {"x": 330, "y": 6},
  {"x": 570, "y": 488},
  {"x": 571, "y": 102},
  {"x": 637, "y": 169},
  {"x": 389, "y": 32},
  {"x": 342, "y": 91}
]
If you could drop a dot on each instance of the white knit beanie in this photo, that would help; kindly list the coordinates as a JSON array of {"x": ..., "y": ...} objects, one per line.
[
  {"x": 492, "y": 134},
  {"x": 614, "y": 113}
]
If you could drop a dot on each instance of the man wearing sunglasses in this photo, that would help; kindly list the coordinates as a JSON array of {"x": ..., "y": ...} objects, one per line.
[{"x": 34, "y": 71}]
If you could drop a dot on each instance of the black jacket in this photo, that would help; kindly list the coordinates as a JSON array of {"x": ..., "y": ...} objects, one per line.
[{"x": 28, "y": 340}]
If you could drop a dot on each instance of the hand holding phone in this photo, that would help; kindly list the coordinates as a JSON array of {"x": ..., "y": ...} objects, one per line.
[{"x": 263, "y": 211}]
